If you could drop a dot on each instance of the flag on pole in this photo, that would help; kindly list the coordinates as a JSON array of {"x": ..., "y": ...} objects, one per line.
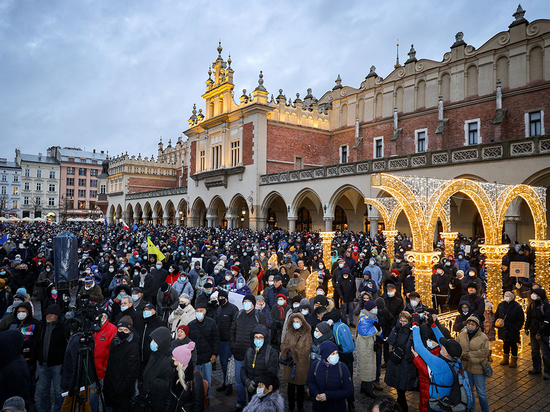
[
  {"x": 135, "y": 227},
  {"x": 125, "y": 226},
  {"x": 106, "y": 224},
  {"x": 153, "y": 250}
]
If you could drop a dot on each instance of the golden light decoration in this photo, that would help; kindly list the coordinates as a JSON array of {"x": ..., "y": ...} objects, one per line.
[
  {"x": 390, "y": 242},
  {"x": 312, "y": 282},
  {"x": 423, "y": 264},
  {"x": 273, "y": 259},
  {"x": 542, "y": 251},
  {"x": 449, "y": 239},
  {"x": 327, "y": 245}
]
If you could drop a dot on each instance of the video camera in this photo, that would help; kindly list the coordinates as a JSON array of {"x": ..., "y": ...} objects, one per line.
[{"x": 85, "y": 318}]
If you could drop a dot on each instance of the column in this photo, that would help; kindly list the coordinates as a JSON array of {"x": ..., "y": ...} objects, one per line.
[
  {"x": 165, "y": 221},
  {"x": 127, "y": 217},
  {"x": 373, "y": 226},
  {"x": 327, "y": 246},
  {"x": 292, "y": 224},
  {"x": 493, "y": 263},
  {"x": 136, "y": 219},
  {"x": 542, "y": 273},
  {"x": 449, "y": 238},
  {"x": 256, "y": 222},
  {"x": 154, "y": 218},
  {"x": 390, "y": 242},
  {"x": 423, "y": 263},
  {"x": 512, "y": 218},
  {"x": 328, "y": 223}
]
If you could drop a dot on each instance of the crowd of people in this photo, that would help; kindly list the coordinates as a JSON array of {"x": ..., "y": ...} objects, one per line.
[{"x": 167, "y": 316}]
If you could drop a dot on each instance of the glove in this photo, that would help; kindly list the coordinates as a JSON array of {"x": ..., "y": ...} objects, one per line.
[
  {"x": 466, "y": 357},
  {"x": 376, "y": 325},
  {"x": 416, "y": 319},
  {"x": 330, "y": 322},
  {"x": 251, "y": 386}
]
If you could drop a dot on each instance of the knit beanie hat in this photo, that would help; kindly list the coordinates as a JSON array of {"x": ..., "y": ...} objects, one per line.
[
  {"x": 183, "y": 353},
  {"x": 125, "y": 322},
  {"x": 369, "y": 305},
  {"x": 323, "y": 327},
  {"x": 251, "y": 298},
  {"x": 327, "y": 348},
  {"x": 185, "y": 328}
]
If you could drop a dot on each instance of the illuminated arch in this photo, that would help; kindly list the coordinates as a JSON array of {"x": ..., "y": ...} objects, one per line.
[{"x": 533, "y": 200}]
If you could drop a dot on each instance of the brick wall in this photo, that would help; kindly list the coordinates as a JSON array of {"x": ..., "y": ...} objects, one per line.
[
  {"x": 193, "y": 158},
  {"x": 248, "y": 144},
  {"x": 145, "y": 184}
]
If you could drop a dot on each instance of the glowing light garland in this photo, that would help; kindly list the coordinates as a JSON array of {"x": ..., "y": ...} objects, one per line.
[{"x": 327, "y": 244}]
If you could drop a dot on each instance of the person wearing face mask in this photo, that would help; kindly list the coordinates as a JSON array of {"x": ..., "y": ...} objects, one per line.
[
  {"x": 45, "y": 277},
  {"x": 477, "y": 303},
  {"x": 241, "y": 327},
  {"x": 127, "y": 308},
  {"x": 51, "y": 344},
  {"x": 53, "y": 297},
  {"x": 279, "y": 314},
  {"x": 252, "y": 281},
  {"x": 347, "y": 289},
  {"x": 368, "y": 329},
  {"x": 296, "y": 286},
  {"x": 296, "y": 347},
  {"x": 440, "y": 286},
  {"x": 464, "y": 312},
  {"x": 151, "y": 322},
  {"x": 329, "y": 381},
  {"x": 337, "y": 269},
  {"x": 321, "y": 333},
  {"x": 173, "y": 274},
  {"x": 260, "y": 357},
  {"x": 159, "y": 276},
  {"x": 182, "y": 285},
  {"x": 102, "y": 344},
  {"x": 415, "y": 304},
  {"x": 454, "y": 294},
  {"x": 398, "y": 264},
  {"x": 537, "y": 327},
  {"x": 262, "y": 307},
  {"x": 267, "y": 397},
  {"x": 145, "y": 282},
  {"x": 241, "y": 287},
  {"x": 374, "y": 272},
  {"x": 158, "y": 372},
  {"x": 461, "y": 262},
  {"x": 512, "y": 314},
  {"x": 225, "y": 313},
  {"x": 6, "y": 298},
  {"x": 167, "y": 300},
  {"x": 204, "y": 332},
  {"x": 194, "y": 273},
  {"x": 273, "y": 291},
  {"x": 182, "y": 315},
  {"x": 475, "y": 348},
  {"x": 186, "y": 388},
  {"x": 122, "y": 367},
  {"x": 91, "y": 289},
  {"x": 394, "y": 303},
  {"x": 307, "y": 312}
]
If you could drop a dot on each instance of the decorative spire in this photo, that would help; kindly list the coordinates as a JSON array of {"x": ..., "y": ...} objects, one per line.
[
  {"x": 261, "y": 83},
  {"x": 229, "y": 62},
  {"x": 518, "y": 15},
  {"x": 210, "y": 73},
  {"x": 338, "y": 82},
  {"x": 372, "y": 72},
  {"x": 397, "y": 57},
  {"x": 220, "y": 48},
  {"x": 412, "y": 55}
]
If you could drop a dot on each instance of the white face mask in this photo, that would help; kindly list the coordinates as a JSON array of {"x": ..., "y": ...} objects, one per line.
[
  {"x": 260, "y": 392},
  {"x": 341, "y": 265},
  {"x": 317, "y": 334},
  {"x": 21, "y": 316},
  {"x": 507, "y": 298},
  {"x": 414, "y": 303},
  {"x": 391, "y": 294},
  {"x": 534, "y": 296},
  {"x": 374, "y": 311}
]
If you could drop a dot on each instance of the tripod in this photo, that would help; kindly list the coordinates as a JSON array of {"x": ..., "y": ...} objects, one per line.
[{"x": 84, "y": 374}]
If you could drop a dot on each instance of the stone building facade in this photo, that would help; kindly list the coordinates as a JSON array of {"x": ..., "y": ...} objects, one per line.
[
  {"x": 10, "y": 189},
  {"x": 263, "y": 160}
]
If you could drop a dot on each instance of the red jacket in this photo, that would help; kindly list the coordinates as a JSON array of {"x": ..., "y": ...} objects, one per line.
[
  {"x": 102, "y": 346},
  {"x": 424, "y": 380},
  {"x": 172, "y": 277}
]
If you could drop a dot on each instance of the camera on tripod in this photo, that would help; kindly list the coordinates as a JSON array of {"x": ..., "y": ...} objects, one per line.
[{"x": 85, "y": 318}]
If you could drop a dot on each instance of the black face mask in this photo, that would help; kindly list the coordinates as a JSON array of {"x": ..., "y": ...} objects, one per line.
[
  {"x": 222, "y": 301},
  {"x": 122, "y": 335},
  {"x": 182, "y": 305}
]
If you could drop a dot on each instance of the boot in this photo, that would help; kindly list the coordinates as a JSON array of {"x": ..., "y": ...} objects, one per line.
[
  {"x": 489, "y": 356},
  {"x": 504, "y": 360},
  {"x": 513, "y": 362}
]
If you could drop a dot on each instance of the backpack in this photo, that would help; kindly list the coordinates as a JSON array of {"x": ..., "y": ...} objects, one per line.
[
  {"x": 461, "y": 395},
  {"x": 343, "y": 338}
]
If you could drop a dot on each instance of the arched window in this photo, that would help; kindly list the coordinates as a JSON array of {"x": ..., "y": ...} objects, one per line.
[
  {"x": 304, "y": 220},
  {"x": 271, "y": 219},
  {"x": 472, "y": 81},
  {"x": 502, "y": 71},
  {"x": 379, "y": 104},
  {"x": 421, "y": 94},
  {"x": 399, "y": 99},
  {"x": 446, "y": 87},
  {"x": 535, "y": 64},
  {"x": 340, "y": 221}
]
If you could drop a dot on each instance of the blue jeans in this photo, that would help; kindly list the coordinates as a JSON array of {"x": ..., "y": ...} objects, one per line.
[
  {"x": 347, "y": 309},
  {"x": 543, "y": 342},
  {"x": 241, "y": 390},
  {"x": 479, "y": 381},
  {"x": 206, "y": 371},
  {"x": 225, "y": 354},
  {"x": 46, "y": 377}
]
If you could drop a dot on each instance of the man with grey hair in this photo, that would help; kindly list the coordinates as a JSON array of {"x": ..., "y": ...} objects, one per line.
[{"x": 127, "y": 309}]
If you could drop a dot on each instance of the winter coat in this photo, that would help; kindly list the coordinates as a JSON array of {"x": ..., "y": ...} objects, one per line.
[
  {"x": 167, "y": 302},
  {"x": 56, "y": 345},
  {"x": 158, "y": 372},
  {"x": 148, "y": 285},
  {"x": 375, "y": 273},
  {"x": 15, "y": 378},
  {"x": 122, "y": 372},
  {"x": 190, "y": 398},
  {"x": 150, "y": 325},
  {"x": 395, "y": 306},
  {"x": 346, "y": 288},
  {"x": 136, "y": 316},
  {"x": 366, "y": 360},
  {"x": 490, "y": 325},
  {"x": 181, "y": 316},
  {"x": 424, "y": 380},
  {"x": 277, "y": 325},
  {"x": 460, "y": 320},
  {"x": 454, "y": 296},
  {"x": 403, "y": 375},
  {"x": 513, "y": 317},
  {"x": 271, "y": 295},
  {"x": 272, "y": 402},
  {"x": 184, "y": 287},
  {"x": 207, "y": 340},
  {"x": 258, "y": 361},
  {"x": 440, "y": 284},
  {"x": 296, "y": 286},
  {"x": 70, "y": 365},
  {"x": 296, "y": 346},
  {"x": 94, "y": 293},
  {"x": 332, "y": 380},
  {"x": 315, "y": 353},
  {"x": 30, "y": 328},
  {"x": 242, "y": 325},
  {"x": 224, "y": 318},
  {"x": 462, "y": 264},
  {"x": 477, "y": 349},
  {"x": 252, "y": 281},
  {"x": 103, "y": 339}
]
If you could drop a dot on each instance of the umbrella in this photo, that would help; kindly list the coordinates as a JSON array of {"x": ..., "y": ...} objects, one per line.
[{"x": 71, "y": 219}]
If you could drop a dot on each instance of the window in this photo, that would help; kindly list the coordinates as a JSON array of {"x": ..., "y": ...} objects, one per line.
[
  {"x": 70, "y": 181},
  {"x": 82, "y": 160},
  {"x": 70, "y": 204},
  {"x": 27, "y": 186},
  {"x": 16, "y": 190},
  {"x": 39, "y": 187},
  {"x": 298, "y": 162},
  {"x": 534, "y": 123},
  {"x": 93, "y": 193},
  {"x": 378, "y": 147},
  {"x": 39, "y": 173},
  {"x": 51, "y": 201},
  {"x": 93, "y": 172},
  {"x": 91, "y": 205},
  {"x": 81, "y": 182},
  {"x": 27, "y": 172},
  {"x": 70, "y": 192},
  {"x": 4, "y": 178},
  {"x": 235, "y": 153},
  {"x": 14, "y": 204},
  {"x": 471, "y": 131},
  {"x": 82, "y": 204},
  {"x": 217, "y": 156},
  {"x": 37, "y": 201},
  {"x": 26, "y": 200},
  {"x": 343, "y": 154},
  {"x": 93, "y": 183},
  {"x": 15, "y": 178},
  {"x": 52, "y": 175},
  {"x": 82, "y": 171},
  {"x": 81, "y": 193},
  {"x": 421, "y": 140},
  {"x": 71, "y": 159},
  {"x": 94, "y": 162},
  {"x": 70, "y": 170},
  {"x": 202, "y": 161},
  {"x": 4, "y": 190},
  {"x": 102, "y": 189},
  {"x": 2, "y": 204},
  {"x": 51, "y": 188}
]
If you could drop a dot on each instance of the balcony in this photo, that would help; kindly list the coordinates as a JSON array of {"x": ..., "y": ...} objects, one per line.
[
  {"x": 508, "y": 149},
  {"x": 158, "y": 193}
]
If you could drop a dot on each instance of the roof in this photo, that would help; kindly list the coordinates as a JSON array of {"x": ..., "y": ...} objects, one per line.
[
  {"x": 66, "y": 153},
  {"x": 8, "y": 165},
  {"x": 34, "y": 158}
]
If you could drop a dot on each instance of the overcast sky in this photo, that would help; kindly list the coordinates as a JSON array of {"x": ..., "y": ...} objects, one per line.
[{"x": 116, "y": 75}]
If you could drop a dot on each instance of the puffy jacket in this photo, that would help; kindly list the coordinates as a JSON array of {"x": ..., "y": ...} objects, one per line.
[
  {"x": 332, "y": 380},
  {"x": 103, "y": 340},
  {"x": 403, "y": 375},
  {"x": 272, "y": 402},
  {"x": 346, "y": 288},
  {"x": 15, "y": 378},
  {"x": 477, "y": 305},
  {"x": 424, "y": 380},
  {"x": 224, "y": 317},
  {"x": 158, "y": 372},
  {"x": 271, "y": 295},
  {"x": 181, "y": 317},
  {"x": 192, "y": 397},
  {"x": 57, "y": 344},
  {"x": 513, "y": 317},
  {"x": 184, "y": 287},
  {"x": 207, "y": 340},
  {"x": 241, "y": 327},
  {"x": 394, "y": 305},
  {"x": 258, "y": 361},
  {"x": 295, "y": 286},
  {"x": 149, "y": 326},
  {"x": 477, "y": 350}
]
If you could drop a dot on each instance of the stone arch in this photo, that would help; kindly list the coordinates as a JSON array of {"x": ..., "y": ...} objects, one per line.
[
  {"x": 236, "y": 206},
  {"x": 421, "y": 94},
  {"x": 129, "y": 213},
  {"x": 276, "y": 202},
  {"x": 379, "y": 105},
  {"x": 138, "y": 213},
  {"x": 182, "y": 212},
  {"x": 111, "y": 214},
  {"x": 445, "y": 86},
  {"x": 147, "y": 213},
  {"x": 350, "y": 199},
  {"x": 533, "y": 200},
  {"x": 309, "y": 199},
  {"x": 119, "y": 212},
  {"x": 217, "y": 212},
  {"x": 170, "y": 213},
  {"x": 399, "y": 96},
  {"x": 472, "y": 81},
  {"x": 158, "y": 213},
  {"x": 198, "y": 213}
]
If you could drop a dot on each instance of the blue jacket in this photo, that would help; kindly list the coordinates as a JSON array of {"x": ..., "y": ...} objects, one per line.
[
  {"x": 441, "y": 371},
  {"x": 326, "y": 378},
  {"x": 463, "y": 264},
  {"x": 184, "y": 287},
  {"x": 375, "y": 273}
]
